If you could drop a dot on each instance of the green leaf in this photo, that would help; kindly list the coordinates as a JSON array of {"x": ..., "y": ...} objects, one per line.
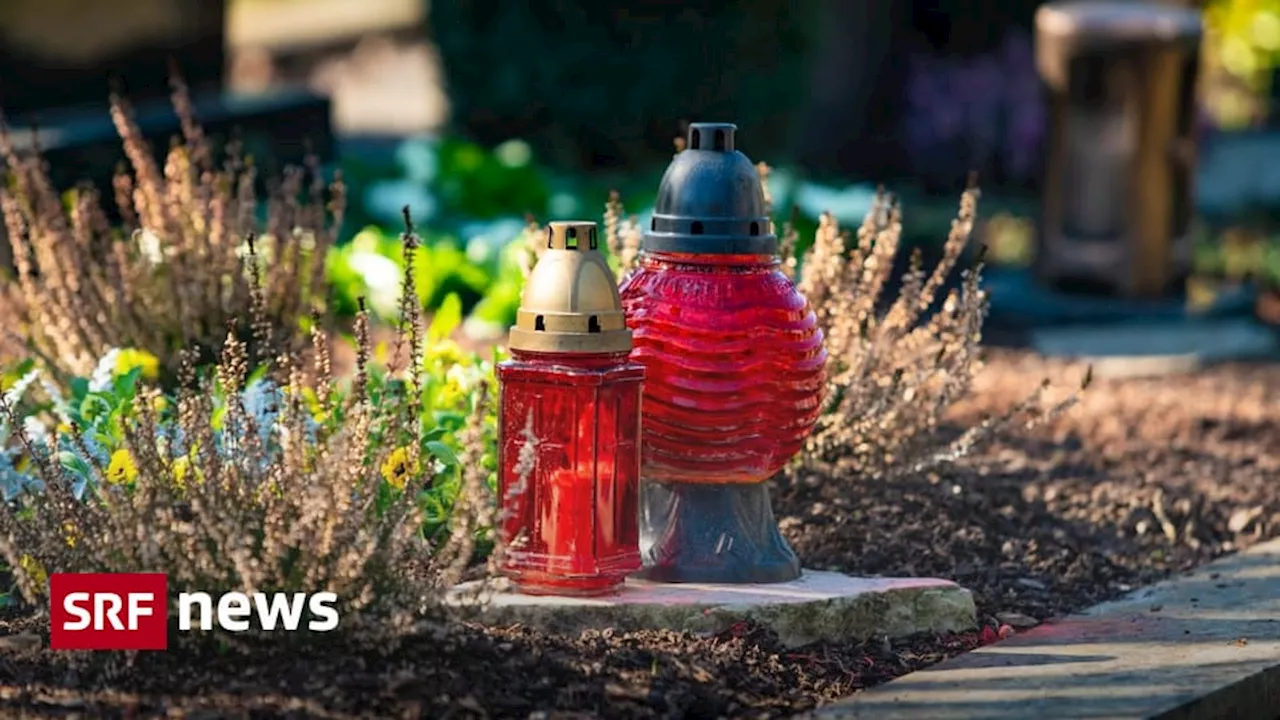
[
  {"x": 108, "y": 442},
  {"x": 126, "y": 386},
  {"x": 256, "y": 375},
  {"x": 216, "y": 418},
  {"x": 447, "y": 319},
  {"x": 74, "y": 463},
  {"x": 79, "y": 389},
  {"x": 94, "y": 406},
  {"x": 442, "y": 452}
]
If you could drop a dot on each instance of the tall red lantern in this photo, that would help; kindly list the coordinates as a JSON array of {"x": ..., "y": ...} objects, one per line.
[
  {"x": 735, "y": 366},
  {"x": 570, "y": 507}
]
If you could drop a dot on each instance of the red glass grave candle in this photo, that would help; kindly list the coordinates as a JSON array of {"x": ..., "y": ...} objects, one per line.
[
  {"x": 735, "y": 364},
  {"x": 572, "y": 525}
]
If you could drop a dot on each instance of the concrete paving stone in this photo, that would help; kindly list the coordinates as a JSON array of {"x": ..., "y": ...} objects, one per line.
[
  {"x": 1129, "y": 350},
  {"x": 818, "y": 606},
  {"x": 1202, "y": 645}
]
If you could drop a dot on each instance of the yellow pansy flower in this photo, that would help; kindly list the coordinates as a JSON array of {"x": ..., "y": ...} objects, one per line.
[
  {"x": 444, "y": 352},
  {"x": 34, "y": 570},
  {"x": 399, "y": 467},
  {"x": 122, "y": 468},
  {"x": 130, "y": 358},
  {"x": 70, "y": 529},
  {"x": 182, "y": 468}
]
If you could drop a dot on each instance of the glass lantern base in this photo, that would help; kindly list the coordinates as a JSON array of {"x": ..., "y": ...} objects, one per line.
[
  {"x": 704, "y": 533},
  {"x": 569, "y": 587}
]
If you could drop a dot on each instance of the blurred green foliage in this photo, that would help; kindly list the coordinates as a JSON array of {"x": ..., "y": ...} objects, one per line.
[
  {"x": 473, "y": 182},
  {"x": 1237, "y": 254},
  {"x": 562, "y": 74},
  {"x": 1242, "y": 43},
  {"x": 372, "y": 266}
]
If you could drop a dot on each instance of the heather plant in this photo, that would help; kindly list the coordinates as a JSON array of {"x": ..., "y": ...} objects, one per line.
[
  {"x": 896, "y": 364},
  {"x": 173, "y": 275},
  {"x": 267, "y": 479}
]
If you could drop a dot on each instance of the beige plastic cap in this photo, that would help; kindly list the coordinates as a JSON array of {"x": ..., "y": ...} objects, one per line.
[{"x": 570, "y": 302}]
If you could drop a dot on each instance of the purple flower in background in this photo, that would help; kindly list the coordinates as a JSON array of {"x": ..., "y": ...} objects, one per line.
[{"x": 975, "y": 111}]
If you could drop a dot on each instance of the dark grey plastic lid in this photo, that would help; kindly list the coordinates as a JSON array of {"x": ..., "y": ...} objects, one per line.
[{"x": 710, "y": 200}]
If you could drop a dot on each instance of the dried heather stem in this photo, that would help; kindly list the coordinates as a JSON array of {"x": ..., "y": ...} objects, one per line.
[
  {"x": 173, "y": 276},
  {"x": 893, "y": 375}
]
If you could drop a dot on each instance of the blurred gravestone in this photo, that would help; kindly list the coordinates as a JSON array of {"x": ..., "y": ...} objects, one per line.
[
  {"x": 1121, "y": 153},
  {"x": 371, "y": 58},
  {"x": 598, "y": 86},
  {"x": 65, "y": 53},
  {"x": 60, "y": 59}
]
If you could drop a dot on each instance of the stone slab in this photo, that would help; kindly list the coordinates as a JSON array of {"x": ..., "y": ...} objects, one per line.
[
  {"x": 1202, "y": 645},
  {"x": 1158, "y": 348},
  {"x": 818, "y": 606}
]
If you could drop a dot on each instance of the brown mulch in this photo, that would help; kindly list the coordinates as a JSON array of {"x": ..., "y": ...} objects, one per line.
[{"x": 1142, "y": 479}]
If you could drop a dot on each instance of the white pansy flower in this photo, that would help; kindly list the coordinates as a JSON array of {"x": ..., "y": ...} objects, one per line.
[
  {"x": 35, "y": 430},
  {"x": 15, "y": 393},
  {"x": 437, "y": 466},
  {"x": 61, "y": 407},
  {"x": 105, "y": 371},
  {"x": 149, "y": 245},
  {"x": 465, "y": 378},
  {"x": 381, "y": 276}
]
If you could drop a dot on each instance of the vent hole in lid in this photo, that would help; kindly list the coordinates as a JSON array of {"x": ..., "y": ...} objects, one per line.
[
  {"x": 593, "y": 324},
  {"x": 695, "y": 228},
  {"x": 720, "y": 140},
  {"x": 755, "y": 228},
  {"x": 540, "y": 324},
  {"x": 695, "y": 139}
]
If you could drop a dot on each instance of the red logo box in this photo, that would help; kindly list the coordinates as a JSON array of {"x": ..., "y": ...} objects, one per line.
[{"x": 108, "y": 611}]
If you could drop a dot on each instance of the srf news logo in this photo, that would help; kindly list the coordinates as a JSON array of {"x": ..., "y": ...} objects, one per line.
[{"x": 130, "y": 611}]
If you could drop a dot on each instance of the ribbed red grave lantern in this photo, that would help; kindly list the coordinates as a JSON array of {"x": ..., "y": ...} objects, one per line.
[
  {"x": 572, "y": 527},
  {"x": 735, "y": 370}
]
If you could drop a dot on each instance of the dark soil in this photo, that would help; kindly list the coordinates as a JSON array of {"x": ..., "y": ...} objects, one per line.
[
  {"x": 1142, "y": 479},
  {"x": 477, "y": 672}
]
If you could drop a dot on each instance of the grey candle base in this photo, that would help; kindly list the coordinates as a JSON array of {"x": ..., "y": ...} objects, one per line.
[{"x": 700, "y": 533}]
